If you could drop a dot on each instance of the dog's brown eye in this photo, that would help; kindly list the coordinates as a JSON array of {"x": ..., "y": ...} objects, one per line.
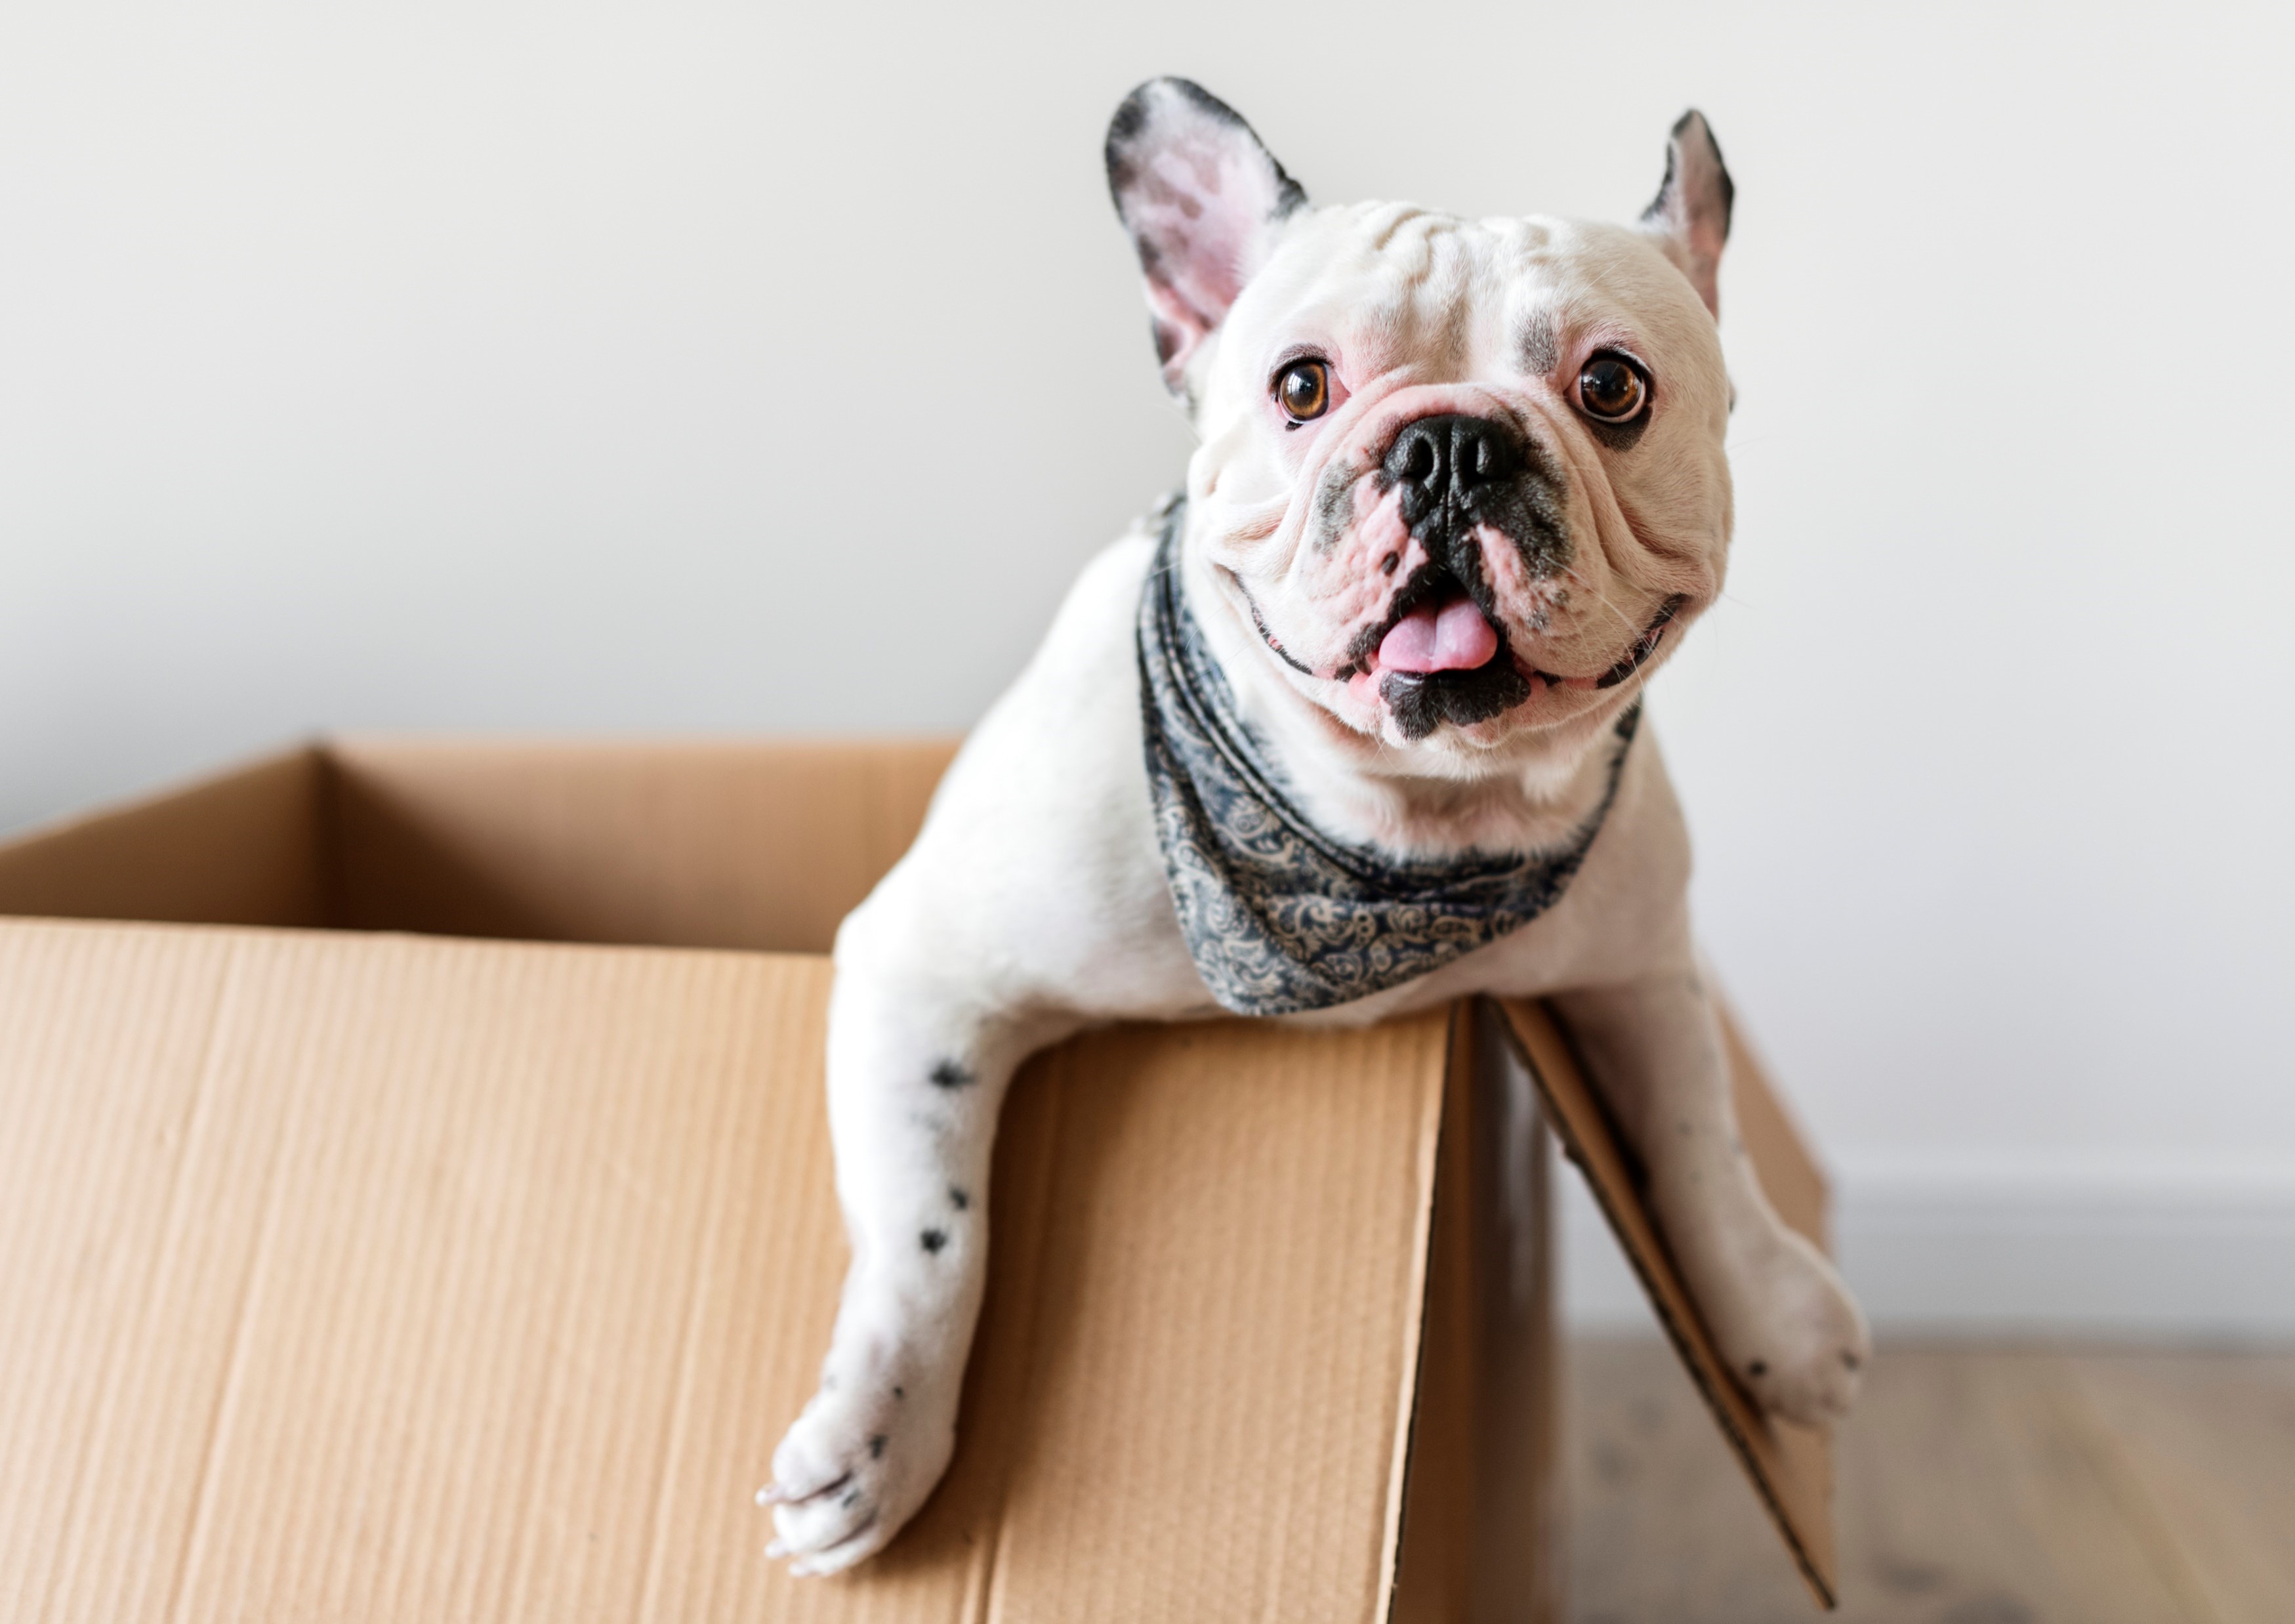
[
  {"x": 1303, "y": 390},
  {"x": 1612, "y": 389}
]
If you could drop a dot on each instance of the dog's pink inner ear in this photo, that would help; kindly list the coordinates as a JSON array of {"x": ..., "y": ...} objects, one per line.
[
  {"x": 1204, "y": 202},
  {"x": 1690, "y": 216}
]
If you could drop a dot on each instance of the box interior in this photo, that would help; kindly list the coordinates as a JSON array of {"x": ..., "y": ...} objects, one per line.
[{"x": 759, "y": 846}]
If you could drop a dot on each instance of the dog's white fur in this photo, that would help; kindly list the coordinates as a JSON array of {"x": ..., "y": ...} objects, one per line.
[{"x": 1034, "y": 901}]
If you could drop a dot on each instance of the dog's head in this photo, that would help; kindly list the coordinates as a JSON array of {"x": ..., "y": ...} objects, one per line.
[{"x": 1461, "y": 483}]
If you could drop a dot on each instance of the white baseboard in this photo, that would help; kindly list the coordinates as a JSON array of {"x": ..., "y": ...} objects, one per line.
[{"x": 2195, "y": 1252}]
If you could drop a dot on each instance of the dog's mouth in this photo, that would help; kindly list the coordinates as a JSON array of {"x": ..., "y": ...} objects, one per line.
[
  {"x": 1637, "y": 656},
  {"x": 1442, "y": 655}
]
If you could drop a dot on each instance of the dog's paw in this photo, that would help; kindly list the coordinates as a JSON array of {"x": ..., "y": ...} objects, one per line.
[
  {"x": 1799, "y": 1343},
  {"x": 853, "y": 1470}
]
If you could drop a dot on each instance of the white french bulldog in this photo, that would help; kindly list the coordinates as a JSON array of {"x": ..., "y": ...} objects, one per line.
[{"x": 1347, "y": 731}]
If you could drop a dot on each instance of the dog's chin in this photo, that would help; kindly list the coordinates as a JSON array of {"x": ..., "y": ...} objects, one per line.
[
  {"x": 1420, "y": 704},
  {"x": 1545, "y": 733}
]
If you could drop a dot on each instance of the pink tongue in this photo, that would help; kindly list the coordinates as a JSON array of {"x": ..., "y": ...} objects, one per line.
[{"x": 1453, "y": 638}]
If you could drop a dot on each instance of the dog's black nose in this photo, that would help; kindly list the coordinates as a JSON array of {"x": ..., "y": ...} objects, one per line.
[
  {"x": 1445, "y": 461},
  {"x": 1456, "y": 477}
]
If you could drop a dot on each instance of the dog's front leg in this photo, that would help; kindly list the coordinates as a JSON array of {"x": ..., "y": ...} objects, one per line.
[
  {"x": 1779, "y": 1314},
  {"x": 917, "y": 1066}
]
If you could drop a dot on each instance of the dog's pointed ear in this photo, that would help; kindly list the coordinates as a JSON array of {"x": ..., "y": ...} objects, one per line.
[
  {"x": 1204, "y": 202},
  {"x": 1690, "y": 216}
]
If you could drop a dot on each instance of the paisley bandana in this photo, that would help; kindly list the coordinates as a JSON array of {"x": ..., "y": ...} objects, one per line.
[{"x": 1278, "y": 916}]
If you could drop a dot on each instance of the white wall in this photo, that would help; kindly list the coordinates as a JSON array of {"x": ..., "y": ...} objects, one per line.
[{"x": 634, "y": 368}]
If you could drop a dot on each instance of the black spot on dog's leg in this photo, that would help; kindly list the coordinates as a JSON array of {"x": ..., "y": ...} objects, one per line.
[
  {"x": 1849, "y": 1359},
  {"x": 959, "y": 1197},
  {"x": 877, "y": 1447},
  {"x": 899, "y": 1392},
  {"x": 932, "y": 1240},
  {"x": 952, "y": 1075},
  {"x": 1758, "y": 1369}
]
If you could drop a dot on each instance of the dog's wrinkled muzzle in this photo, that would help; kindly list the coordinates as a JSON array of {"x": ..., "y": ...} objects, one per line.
[
  {"x": 1461, "y": 481},
  {"x": 1456, "y": 475}
]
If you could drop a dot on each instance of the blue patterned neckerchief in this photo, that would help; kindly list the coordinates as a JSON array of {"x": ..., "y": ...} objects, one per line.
[{"x": 1278, "y": 916}]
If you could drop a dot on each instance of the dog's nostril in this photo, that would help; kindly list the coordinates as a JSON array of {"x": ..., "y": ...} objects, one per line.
[
  {"x": 1480, "y": 454},
  {"x": 1418, "y": 467}
]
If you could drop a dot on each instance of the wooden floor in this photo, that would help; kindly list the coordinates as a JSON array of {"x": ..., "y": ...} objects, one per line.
[{"x": 1977, "y": 1485}]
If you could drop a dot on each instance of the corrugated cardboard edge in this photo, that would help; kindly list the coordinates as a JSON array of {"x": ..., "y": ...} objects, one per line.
[
  {"x": 1790, "y": 1468},
  {"x": 1438, "y": 1131},
  {"x": 1480, "y": 1525}
]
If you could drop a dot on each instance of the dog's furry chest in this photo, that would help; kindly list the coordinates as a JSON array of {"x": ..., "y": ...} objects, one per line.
[{"x": 1042, "y": 857}]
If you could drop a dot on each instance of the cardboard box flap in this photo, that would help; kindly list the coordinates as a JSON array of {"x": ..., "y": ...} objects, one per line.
[
  {"x": 1791, "y": 1466},
  {"x": 400, "y": 1278},
  {"x": 1790, "y": 1176}
]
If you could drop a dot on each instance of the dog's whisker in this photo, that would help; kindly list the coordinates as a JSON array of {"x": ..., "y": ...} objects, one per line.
[{"x": 1602, "y": 598}]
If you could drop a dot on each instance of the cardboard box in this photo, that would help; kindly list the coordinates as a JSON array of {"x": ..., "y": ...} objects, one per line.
[{"x": 381, "y": 1244}]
